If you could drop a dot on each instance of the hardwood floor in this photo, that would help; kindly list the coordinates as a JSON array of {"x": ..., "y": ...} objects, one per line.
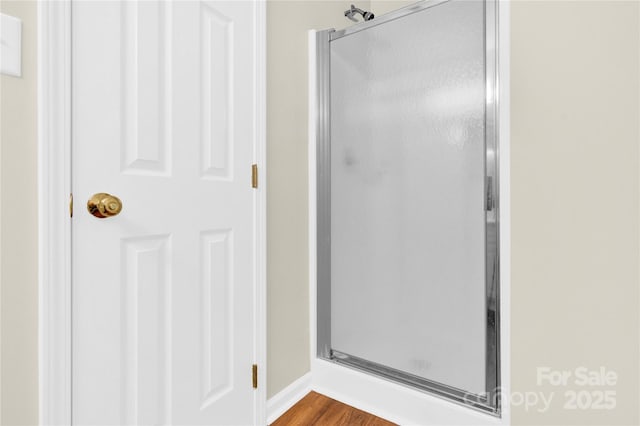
[{"x": 316, "y": 409}]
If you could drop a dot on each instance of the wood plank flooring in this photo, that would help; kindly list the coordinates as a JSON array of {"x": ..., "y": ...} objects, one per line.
[{"x": 316, "y": 409}]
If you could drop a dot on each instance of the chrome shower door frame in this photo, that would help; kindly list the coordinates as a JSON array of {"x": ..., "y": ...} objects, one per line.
[{"x": 490, "y": 401}]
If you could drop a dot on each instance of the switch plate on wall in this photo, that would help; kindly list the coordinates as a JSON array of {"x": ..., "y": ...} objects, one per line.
[{"x": 10, "y": 45}]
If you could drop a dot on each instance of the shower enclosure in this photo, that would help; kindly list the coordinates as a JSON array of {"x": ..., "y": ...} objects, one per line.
[{"x": 407, "y": 283}]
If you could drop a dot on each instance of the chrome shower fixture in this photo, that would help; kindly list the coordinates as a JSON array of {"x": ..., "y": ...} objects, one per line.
[{"x": 367, "y": 16}]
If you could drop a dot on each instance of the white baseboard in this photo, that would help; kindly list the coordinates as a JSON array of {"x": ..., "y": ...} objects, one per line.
[
  {"x": 391, "y": 401},
  {"x": 278, "y": 404}
]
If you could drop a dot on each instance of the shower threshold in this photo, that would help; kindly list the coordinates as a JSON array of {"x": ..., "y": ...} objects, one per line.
[{"x": 478, "y": 402}]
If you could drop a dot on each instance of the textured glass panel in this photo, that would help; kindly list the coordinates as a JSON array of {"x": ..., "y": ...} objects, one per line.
[{"x": 407, "y": 205}]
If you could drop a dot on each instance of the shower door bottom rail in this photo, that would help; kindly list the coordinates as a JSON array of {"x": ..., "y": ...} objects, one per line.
[{"x": 475, "y": 401}]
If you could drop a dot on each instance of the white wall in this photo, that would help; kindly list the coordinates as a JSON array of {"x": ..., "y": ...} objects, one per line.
[
  {"x": 287, "y": 209},
  {"x": 575, "y": 121},
  {"x": 19, "y": 231},
  {"x": 380, "y": 7}
]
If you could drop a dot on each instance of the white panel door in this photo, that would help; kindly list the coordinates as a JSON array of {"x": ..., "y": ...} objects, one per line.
[{"x": 163, "y": 293}]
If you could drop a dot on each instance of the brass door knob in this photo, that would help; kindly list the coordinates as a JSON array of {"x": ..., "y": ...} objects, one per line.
[{"x": 103, "y": 205}]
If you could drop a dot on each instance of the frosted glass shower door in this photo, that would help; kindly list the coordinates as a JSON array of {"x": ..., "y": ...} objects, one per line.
[{"x": 407, "y": 195}]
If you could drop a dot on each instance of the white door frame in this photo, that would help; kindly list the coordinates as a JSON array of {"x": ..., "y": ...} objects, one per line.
[{"x": 54, "y": 222}]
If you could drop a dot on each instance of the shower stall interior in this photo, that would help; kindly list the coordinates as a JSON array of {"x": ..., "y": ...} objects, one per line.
[{"x": 407, "y": 206}]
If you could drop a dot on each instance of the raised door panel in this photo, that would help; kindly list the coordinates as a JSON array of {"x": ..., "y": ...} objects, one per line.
[
  {"x": 146, "y": 87},
  {"x": 146, "y": 330},
  {"x": 217, "y": 38},
  {"x": 216, "y": 263}
]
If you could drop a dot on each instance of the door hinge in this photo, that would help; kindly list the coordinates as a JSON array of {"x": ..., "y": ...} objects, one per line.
[
  {"x": 489, "y": 201},
  {"x": 254, "y": 375},
  {"x": 254, "y": 176},
  {"x": 71, "y": 205}
]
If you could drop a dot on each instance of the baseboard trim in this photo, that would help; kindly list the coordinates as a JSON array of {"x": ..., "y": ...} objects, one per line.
[
  {"x": 278, "y": 404},
  {"x": 391, "y": 401}
]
